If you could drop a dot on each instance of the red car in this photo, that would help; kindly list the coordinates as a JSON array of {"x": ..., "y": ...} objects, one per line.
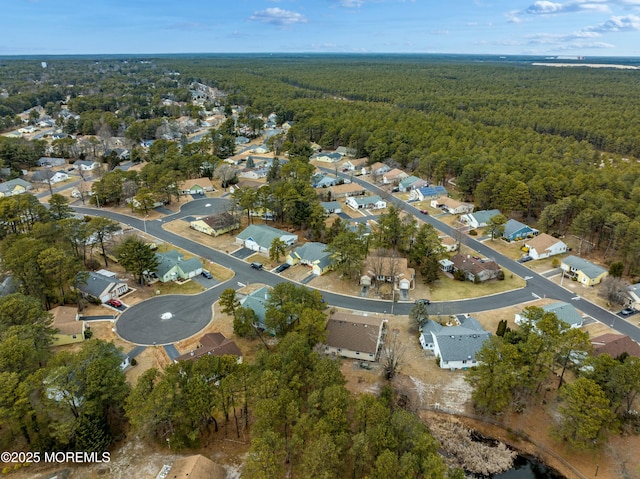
[
  {"x": 424, "y": 212},
  {"x": 116, "y": 303}
]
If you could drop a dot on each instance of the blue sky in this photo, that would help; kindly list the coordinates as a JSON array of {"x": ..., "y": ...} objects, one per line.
[{"x": 573, "y": 27}]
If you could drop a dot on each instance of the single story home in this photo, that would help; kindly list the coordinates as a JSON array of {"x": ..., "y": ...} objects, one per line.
[
  {"x": 197, "y": 186},
  {"x": 373, "y": 202},
  {"x": 49, "y": 176},
  {"x": 254, "y": 173},
  {"x": 583, "y": 271},
  {"x": 312, "y": 254},
  {"x": 359, "y": 165},
  {"x": 327, "y": 157},
  {"x": 476, "y": 269},
  {"x": 346, "y": 190},
  {"x": 614, "y": 345},
  {"x": 634, "y": 296},
  {"x": 68, "y": 328},
  {"x": 259, "y": 237},
  {"x": 407, "y": 183},
  {"x": 355, "y": 336},
  {"x": 451, "y": 206},
  {"x": 389, "y": 269},
  {"x": 448, "y": 243},
  {"x": 216, "y": 225},
  {"x": 257, "y": 302},
  {"x": 456, "y": 346},
  {"x": 479, "y": 219},
  {"x": 50, "y": 161},
  {"x": 564, "y": 311},
  {"x": 331, "y": 207},
  {"x": 212, "y": 344},
  {"x": 173, "y": 266},
  {"x": 428, "y": 192},
  {"x": 544, "y": 245},
  {"x": 345, "y": 151},
  {"x": 393, "y": 176},
  {"x": 195, "y": 467},
  {"x": 324, "y": 181},
  {"x": 379, "y": 168},
  {"x": 102, "y": 287},
  {"x": 515, "y": 231},
  {"x": 86, "y": 165},
  {"x": 14, "y": 187}
]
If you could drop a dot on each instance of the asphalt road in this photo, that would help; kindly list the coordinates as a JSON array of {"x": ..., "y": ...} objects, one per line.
[{"x": 537, "y": 286}]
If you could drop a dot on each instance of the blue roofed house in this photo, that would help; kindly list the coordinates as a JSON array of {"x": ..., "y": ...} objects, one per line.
[
  {"x": 514, "y": 231},
  {"x": 257, "y": 301},
  {"x": 479, "y": 219},
  {"x": 564, "y": 311},
  {"x": 323, "y": 181},
  {"x": 312, "y": 254},
  {"x": 428, "y": 192},
  {"x": 331, "y": 207},
  {"x": 172, "y": 266},
  {"x": 583, "y": 271},
  {"x": 259, "y": 237},
  {"x": 456, "y": 346},
  {"x": 327, "y": 157}
]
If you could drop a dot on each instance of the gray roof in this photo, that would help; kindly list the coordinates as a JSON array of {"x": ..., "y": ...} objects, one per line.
[
  {"x": 459, "y": 343},
  {"x": 173, "y": 258},
  {"x": 262, "y": 234},
  {"x": 485, "y": 215},
  {"x": 513, "y": 226},
  {"x": 97, "y": 284},
  {"x": 409, "y": 180},
  {"x": 565, "y": 312},
  {"x": 589, "y": 269},
  {"x": 256, "y": 301},
  {"x": 313, "y": 251},
  {"x": 8, "y": 185},
  {"x": 366, "y": 200},
  {"x": 330, "y": 205},
  {"x": 431, "y": 327}
]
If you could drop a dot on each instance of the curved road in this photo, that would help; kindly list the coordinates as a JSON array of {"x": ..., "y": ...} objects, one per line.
[{"x": 537, "y": 285}]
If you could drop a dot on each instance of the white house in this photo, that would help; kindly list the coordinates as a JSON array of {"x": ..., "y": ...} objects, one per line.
[
  {"x": 366, "y": 202},
  {"x": 428, "y": 192},
  {"x": 86, "y": 165},
  {"x": 479, "y": 219},
  {"x": 327, "y": 157},
  {"x": 355, "y": 336},
  {"x": 48, "y": 176},
  {"x": 259, "y": 237},
  {"x": 564, "y": 311},
  {"x": 393, "y": 176},
  {"x": 456, "y": 346},
  {"x": 544, "y": 245},
  {"x": 451, "y": 206}
]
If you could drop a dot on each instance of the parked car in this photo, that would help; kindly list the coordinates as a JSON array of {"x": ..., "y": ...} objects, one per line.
[
  {"x": 206, "y": 274},
  {"x": 116, "y": 303},
  {"x": 395, "y": 189},
  {"x": 282, "y": 267},
  {"x": 524, "y": 259},
  {"x": 423, "y": 301},
  {"x": 628, "y": 312},
  {"x": 255, "y": 265},
  {"x": 424, "y": 212}
]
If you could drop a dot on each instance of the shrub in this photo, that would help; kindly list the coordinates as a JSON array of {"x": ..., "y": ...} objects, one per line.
[
  {"x": 134, "y": 362},
  {"x": 473, "y": 233}
]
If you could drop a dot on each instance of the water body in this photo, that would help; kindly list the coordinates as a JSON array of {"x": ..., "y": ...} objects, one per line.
[{"x": 527, "y": 467}]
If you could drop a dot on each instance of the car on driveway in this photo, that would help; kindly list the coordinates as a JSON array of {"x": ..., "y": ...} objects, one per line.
[
  {"x": 627, "y": 312},
  {"x": 116, "y": 303},
  {"x": 423, "y": 301},
  {"x": 255, "y": 265},
  {"x": 206, "y": 274},
  {"x": 282, "y": 267}
]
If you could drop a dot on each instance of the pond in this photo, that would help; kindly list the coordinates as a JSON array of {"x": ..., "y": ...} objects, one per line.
[{"x": 528, "y": 467}]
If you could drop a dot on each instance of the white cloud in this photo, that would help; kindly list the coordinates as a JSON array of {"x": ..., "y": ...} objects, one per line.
[
  {"x": 278, "y": 16},
  {"x": 545, "y": 7},
  {"x": 617, "y": 24}
]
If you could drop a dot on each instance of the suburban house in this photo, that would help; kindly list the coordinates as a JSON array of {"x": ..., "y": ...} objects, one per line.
[
  {"x": 614, "y": 345},
  {"x": 448, "y": 243},
  {"x": 389, "y": 269},
  {"x": 331, "y": 207},
  {"x": 254, "y": 173},
  {"x": 366, "y": 202},
  {"x": 323, "y": 181},
  {"x": 344, "y": 151},
  {"x": 346, "y": 190},
  {"x": 451, "y": 206},
  {"x": 327, "y": 157},
  {"x": 393, "y": 176},
  {"x": 312, "y": 254},
  {"x": 359, "y": 166},
  {"x": 49, "y": 161},
  {"x": 216, "y": 225},
  {"x": 379, "y": 168},
  {"x": 14, "y": 187},
  {"x": 476, "y": 269},
  {"x": 197, "y": 186},
  {"x": 634, "y": 296},
  {"x": 355, "y": 336},
  {"x": 195, "y": 467},
  {"x": 456, "y": 346},
  {"x": 479, "y": 219},
  {"x": 172, "y": 266},
  {"x": 411, "y": 183},
  {"x": 86, "y": 165},
  {"x": 103, "y": 287},
  {"x": 68, "y": 328},
  {"x": 544, "y": 245},
  {"x": 212, "y": 344},
  {"x": 48, "y": 176},
  {"x": 257, "y": 301},
  {"x": 428, "y": 192},
  {"x": 259, "y": 237},
  {"x": 583, "y": 271},
  {"x": 564, "y": 311},
  {"x": 514, "y": 231}
]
